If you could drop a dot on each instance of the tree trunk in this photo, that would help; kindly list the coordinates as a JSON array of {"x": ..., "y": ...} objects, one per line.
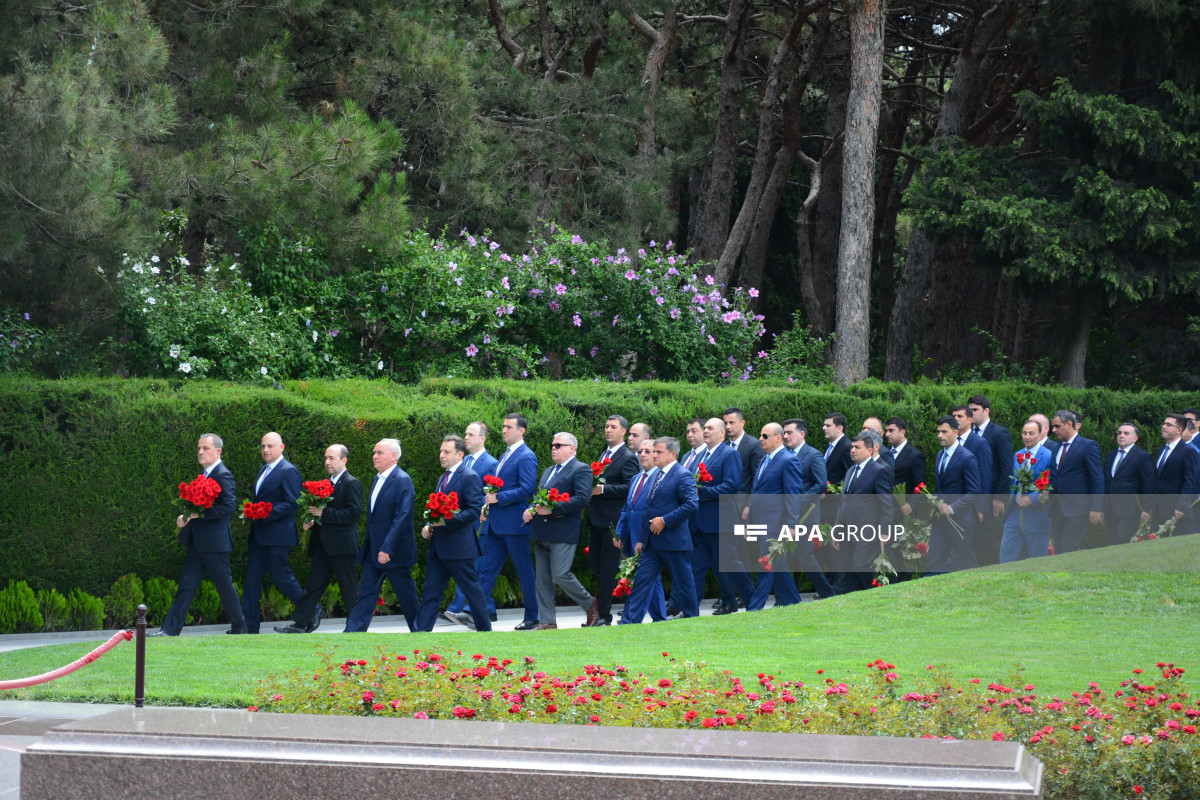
[
  {"x": 712, "y": 224},
  {"x": 851, "y": 349},
  {"x": 816, "y": 310},
  {"x": 661, "y": 44},
  {"x": 829, "y": 213},
  {"x": 1075, "y": 354}
]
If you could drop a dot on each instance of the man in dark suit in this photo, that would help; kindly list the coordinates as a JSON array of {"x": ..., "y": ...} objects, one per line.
[
  {"x": 481, "y": 462},
  {"x": 453, "y": 546},
  {"x": 1177, "y": 476},
  {"x": 1000, "y": 441},
  {"x": 1077, "y": 474},
  {"x": 751, "y": 452},
  {"x": 1026, "y": 532},
  {"x": 837, "y": 452},
  {"x": 332, "y": 545},
  {"x": 665, "y": 538},
  {"x": 555, "y": 532},
  {"x": 390, "y": 549},
  {"x": 1128, "y": 486},
  {"x": 910, "y": 462},
  {"x": 209, "y": 541},
  {"x": 630, "y": 530},
  {"x": 507, "y": 532},
  {"x": 952, "y": 544},
  {"x": 868, "y": 507},
  {"x": 725, "y": 466},
  {"x": 982, "y": 451},
  {"x": 272, "y": 539},
  {"x": 881, "y": 455},
  {"x": 608, "y": 498},
  {"x": 1044, "y": 423}
]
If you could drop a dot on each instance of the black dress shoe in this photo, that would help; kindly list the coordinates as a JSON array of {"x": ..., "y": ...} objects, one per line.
[
  {"x": 163, "y": 633},
  {"x": 492, "y": 617},
  {"x": 605, "y": 619},
  {"x": 291, "y": 629},
  {"x": 235, "y": 631},
  {"x": 460, "y": 618},
  {"x": 673, "y": 611},
  {"x": 527, "y": 625},
  {"x": 730, "y": 609},
  {"x": 316, "y": 619},
  {"x": 717, "y": 605}
]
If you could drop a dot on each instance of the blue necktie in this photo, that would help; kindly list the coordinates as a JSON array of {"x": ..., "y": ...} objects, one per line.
[
  {"x": 762, "y": 468},
  {"x": 853, "y": 476},
  {"x": 469, "y": 461},
  {"x": 1163, "y": 458},
  {"x": 942, "y": 459},
  {"x": 828, "y": 450},
  {"x": 553, "y": 475},
  {"x": 654, "y": 488}
]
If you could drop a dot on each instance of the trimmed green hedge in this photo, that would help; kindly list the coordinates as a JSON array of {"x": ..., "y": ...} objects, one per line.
[{"x": 89, "y": 467}]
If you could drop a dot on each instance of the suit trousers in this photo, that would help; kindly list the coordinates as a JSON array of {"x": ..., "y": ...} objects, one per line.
[
  {"x": 1121, "y": 527},
  {"x": 1032, "y": 541},
  {"x": 649, "y": 575},
  {"x": 603, "y": 560},
  {"x": 552, "y": 565},
  {"x": 262, "y": 560},
  {"x": 459, "y": 603},
  {"x": 438, "y": 573},
  {"x": 497, "y": 549},
  {"x": 325, "y": 567},
  {"x": 195, "y": 566},
  {"x": 403, "y": 585},
  {"x": 1069, "y": 531},
  {"x": 987, "y": 546},
  {"x": 949, "y": 548}
]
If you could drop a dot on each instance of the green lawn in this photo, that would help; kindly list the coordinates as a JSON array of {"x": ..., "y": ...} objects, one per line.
[{"x": 1063, "y": 628}]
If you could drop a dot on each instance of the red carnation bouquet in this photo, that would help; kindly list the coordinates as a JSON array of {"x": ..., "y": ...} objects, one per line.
[
  {"x": 703, "y": 475},
  {"x": 316, "y": 493},
  {"x": 198, "y": 496},
  {"x": 491, "y": 485},
  {"x": 597, "y": 468},
  {"x": 1027, "y": 481},
  {"x": 548, "y": 498},
  {"x": 440, "y": 507},
  {"x": 625, "y": 572},
  {"x": 253, "y": 511}
]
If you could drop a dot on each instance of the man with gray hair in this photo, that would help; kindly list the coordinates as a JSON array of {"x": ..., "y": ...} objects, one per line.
[{"x": 555, "y": 531}]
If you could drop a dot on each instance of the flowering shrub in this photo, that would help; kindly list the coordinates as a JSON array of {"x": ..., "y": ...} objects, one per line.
[{"x": 1094, "y": 744}]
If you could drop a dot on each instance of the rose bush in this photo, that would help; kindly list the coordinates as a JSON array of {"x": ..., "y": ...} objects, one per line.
[{"x": 1094, "y": 744}]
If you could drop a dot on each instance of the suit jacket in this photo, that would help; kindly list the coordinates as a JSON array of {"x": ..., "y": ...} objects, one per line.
[
  {"x": 520, "y": 483},
  {"x": 337, "y": 527},
  {"x": 838, "y": 461},
  {"x": 562, "y": 525},
  {"x": 725, "y": 466},
  {"x": 1079, "y": 481},
  {"x": 281, "y": 489},
  {"x": 630, "y": 529},
  {"x": 1000, "y": 441},
  {"x": 482, "y": 464},
  {"x": 1177, "y": 482},
  {"x": 910, "y": 468},
  {"x": 389, "y": 524},
  {"x": 982, "y": 451},
  {"x": 605, "y": 508},
  {"x": 675, "y": 501},
  {"x": 959, "y": 482},
  {"x": 752, "y": 455},
  {"x": 211, "y": 533},
  {"x": 455, "y": 539},
  {"x": 868, "y": 501},
  {"x": 1035, "y": 517},
  {"x": 813, "y": 482},
  {"x": 778, "y": 493},
  {"x": 1135, "y": 476}
]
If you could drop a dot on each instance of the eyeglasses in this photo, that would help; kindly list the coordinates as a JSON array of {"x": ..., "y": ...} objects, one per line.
[
  {"x": 557, "y": 445},
  {"x": 767, "y": 435}
]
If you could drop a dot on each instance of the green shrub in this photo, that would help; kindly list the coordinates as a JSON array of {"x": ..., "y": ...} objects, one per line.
[
  {"x": 54, "y": 609},
  {"x": 19, "y": 609},
  {"x": 120, "y": 604},
  {"x": 160, "y": 592},
  {"x": 274, "y": 605},
  {"x": 206, "y": 606},
  {"x": 331, "y": 601},
  {"x": 84, "y": 612}
]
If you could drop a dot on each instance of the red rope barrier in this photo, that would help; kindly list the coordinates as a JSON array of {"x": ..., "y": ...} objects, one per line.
[{"x": 45, "y": 677}]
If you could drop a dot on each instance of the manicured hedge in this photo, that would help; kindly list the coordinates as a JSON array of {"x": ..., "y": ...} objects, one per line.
[{"x": 89, "y": 467}]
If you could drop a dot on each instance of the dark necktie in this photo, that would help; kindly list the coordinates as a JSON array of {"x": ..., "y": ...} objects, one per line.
[
  {"x": 654, "y": 488},
  {"x": 1163, "y": 458},
  {"x": 638, "y": 490},
  {"x": 553, "y": 475},
  {"x": 853, "y": 476},
  {"x": 1117, "y": 462},
  {"x": 1062, "y": 453},
  {"x": 444, "y": 481},
  {"x": 942, "y": 459}
]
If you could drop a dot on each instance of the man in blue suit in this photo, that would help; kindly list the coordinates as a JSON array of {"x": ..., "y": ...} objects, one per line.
[
  {"x": 1026, "y": 519},
  {"x": 209, "y": 542},
  {"x": 1000, "y": 442},
  {"x": 665, "y": 538},
  {"x": 508, "y": 533},
  {"x": 555, "y": 532},
  {"x": 724, "y": 464},
  {"x": 479, "y": 461},
  {"x": 453, "y": 546},
  {"x": 958, "y": 488},
  {"x": 867, "y": 510},
  {"x": 1128, "y": 486},
  {"x": 630, "y": 531},
  {"x": 1177, "y": 476},
  {"x": 390, "y": 549},
  {"x": 1077, "y": 474},
  {"x": 271, "y": 539},
  {"x": 978, "y": 447}
]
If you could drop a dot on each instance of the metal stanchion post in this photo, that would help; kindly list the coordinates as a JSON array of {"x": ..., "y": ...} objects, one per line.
[{"x": 139, "y": 684}]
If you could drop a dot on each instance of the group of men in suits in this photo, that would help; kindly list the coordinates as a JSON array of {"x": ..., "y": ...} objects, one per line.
[{"x": 650, "y": 501}]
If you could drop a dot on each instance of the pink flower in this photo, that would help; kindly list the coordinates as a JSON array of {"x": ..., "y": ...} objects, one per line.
[
  {"x": 576, "y": 239},
  {"x": 709, "y": 280},
  {"x": 997, "y": 737},
  {"x": 711, "y": 340},
  {"x": 472, "y": 350},
  {"x": 753, "y": 292},
  {"x": 571, "y": 350},
  {"x": 659, "y": 300},
  {"x": 674, "y": 313},
  {"x": 630, "y": 275},
  {"x": 560, "y": 289},
  {"x": 504, "y": 280},
  {"x": 578, "y": 322}
]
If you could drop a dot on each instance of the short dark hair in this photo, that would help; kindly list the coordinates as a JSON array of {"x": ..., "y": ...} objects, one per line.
[
  {"x": 460, "y": 444},
  {"x": 1179, "y": 419},
  {"x": 838, "y": 419},
  {"x": 1067, "y": 416},
  {"x": 961, "y": 408},
  {"x": 670, "y": 442},
  {"x": 520, "y": 419},
  {"x": 695, "y": 421},
  {"x": 981, "y": 401},
  {"x": 800, "y": 424},
  {"x": 624, "y": 423},
  {"x": 898, "y": 422},
  {"x": 947, "y": 419},
  {"x": 734, "y": 410},
  {"x": 1136, "y": 431}
]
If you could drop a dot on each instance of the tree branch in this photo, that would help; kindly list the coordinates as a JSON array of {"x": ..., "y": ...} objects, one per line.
[{"x": 507, "y": 42}]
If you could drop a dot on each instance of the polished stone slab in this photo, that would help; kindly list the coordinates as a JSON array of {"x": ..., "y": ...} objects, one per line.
[{"x": 167, "y": 753}]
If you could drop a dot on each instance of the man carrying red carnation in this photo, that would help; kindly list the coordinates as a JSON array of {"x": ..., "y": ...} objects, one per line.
[{"x": 272, "y": 538}]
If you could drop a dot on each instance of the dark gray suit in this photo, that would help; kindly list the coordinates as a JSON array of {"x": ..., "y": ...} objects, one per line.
[{"x": 555, "y": 537}]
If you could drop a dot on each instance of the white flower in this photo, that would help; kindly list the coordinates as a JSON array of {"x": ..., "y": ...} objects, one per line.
[
  {"x": 175, "y": 351},
  {"x": 154, "y": 270},
  {"x": 224, "y": 310},
  {"x": 314, "y": 336},
  {"x": 154, "y": 259},
  {"x": 263, "y": 370},
  {"x": 151, "y": 300},
  {"x": 100, "y": 270},
  {"x": 138, "y": 269},
  {"x": 183, "y": 260},
  {"x": 379, "y": 365},
  {"x": 185, "y": 367},
  {"x": 327, "y": 356}
]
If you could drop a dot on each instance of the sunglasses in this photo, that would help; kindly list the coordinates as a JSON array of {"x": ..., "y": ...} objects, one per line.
[{"x": 557, "y": 445}]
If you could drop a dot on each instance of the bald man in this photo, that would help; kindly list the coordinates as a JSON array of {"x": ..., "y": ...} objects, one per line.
[{"x": 271, "y": 539}]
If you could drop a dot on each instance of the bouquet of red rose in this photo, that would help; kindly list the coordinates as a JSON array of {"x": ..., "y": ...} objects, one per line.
[
  {"x": 703, "y": 475},
  {"x": 833, "y": 488},
  {"x": 548, "y": 498},
  {"x": 625, "y": 572},
  {"x": 441, "y": 507},
  {"x": 198, "y": 496},
  {"x": 597, "y": 468},
  {"x": 316, "y": 493},
  {"x": 923, "y": 490},
  {"x": 254, "y": 511},
  {"x": 491, "y": 485},
  {"x": 1025, "y": 482}
]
